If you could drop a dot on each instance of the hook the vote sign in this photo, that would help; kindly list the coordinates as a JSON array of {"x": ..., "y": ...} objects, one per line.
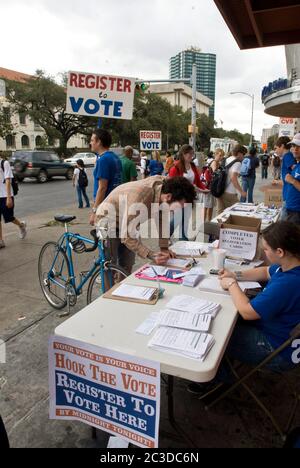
[{"x": 100, "y": 95}]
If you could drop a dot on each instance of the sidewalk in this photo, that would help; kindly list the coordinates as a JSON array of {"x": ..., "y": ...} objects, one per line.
[{"x": 26, "y": 324}]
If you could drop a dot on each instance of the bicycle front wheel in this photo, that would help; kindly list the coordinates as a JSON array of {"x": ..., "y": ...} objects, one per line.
[
  {"x": 54, "y": 274},
  {"x": 98, "y": 285}
]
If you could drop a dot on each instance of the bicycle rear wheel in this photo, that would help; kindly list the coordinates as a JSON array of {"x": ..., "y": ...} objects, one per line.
[
  {"x": 54, "y": 274},
  {"x": 112, "y": 276}
]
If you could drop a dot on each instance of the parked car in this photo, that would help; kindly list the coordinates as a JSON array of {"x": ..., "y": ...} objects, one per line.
[
  {"x": 40, "y": 165},
  {"x": 89, "y": 159}
]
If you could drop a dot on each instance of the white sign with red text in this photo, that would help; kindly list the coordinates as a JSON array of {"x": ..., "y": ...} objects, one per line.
[
  {"x": 100, "y": 95},
  {"x": 287, "y": 127},
  {"x": 150, "y": 140},
  {"x": 114, "y": 392}
]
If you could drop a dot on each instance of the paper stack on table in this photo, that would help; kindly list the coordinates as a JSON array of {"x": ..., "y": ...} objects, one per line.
[
  {"x": 214, "y": 285},
  {"x": 191, "y": 304},
  {"x": 190, "y": 249},
  {"x": 185, "y": 320},
  {"x": 185, "y": 343},
  {"x": 192, "y": 277}
]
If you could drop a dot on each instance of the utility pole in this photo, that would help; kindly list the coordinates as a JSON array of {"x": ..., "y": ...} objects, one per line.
[{"x": 194, "y": 105}]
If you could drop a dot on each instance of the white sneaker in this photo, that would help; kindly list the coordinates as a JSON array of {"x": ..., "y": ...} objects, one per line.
[{"x": 23, "y": 230}]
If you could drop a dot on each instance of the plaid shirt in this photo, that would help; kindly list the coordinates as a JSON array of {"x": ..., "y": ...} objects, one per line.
[{"x": 114, "y": 213}]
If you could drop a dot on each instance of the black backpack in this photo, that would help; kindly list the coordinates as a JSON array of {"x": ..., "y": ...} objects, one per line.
[
  {"x": 14, "y": 183},
  {"x": 219, "y": 180},
  {"x": 83, "y": 180}
]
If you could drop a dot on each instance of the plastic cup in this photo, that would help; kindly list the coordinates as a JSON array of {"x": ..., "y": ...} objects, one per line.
[{"x": 219, "y": 256}]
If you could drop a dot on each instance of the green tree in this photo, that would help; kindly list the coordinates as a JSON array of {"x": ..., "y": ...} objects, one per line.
[
  {"x": 272, "y": 141},
  {"x": 6, "y": 127},
  {"x": 44, "y": 101}
]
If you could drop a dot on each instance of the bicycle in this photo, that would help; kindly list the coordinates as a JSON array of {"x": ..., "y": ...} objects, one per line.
[{"x": 56, "y": 269}]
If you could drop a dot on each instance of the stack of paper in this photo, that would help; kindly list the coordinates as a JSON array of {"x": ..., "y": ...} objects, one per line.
[
  {"x": 179, "y": 263},
  {"x": 185, "y": 343},
  {"x": 193, "y": 277},
  {"x": 214, "y": 285},
  {"x": 185, "y": 320},
  {"x": 190, "y": 249},
  {"x": 191, "y": 304},
  {"x": 135, "y": 292}
]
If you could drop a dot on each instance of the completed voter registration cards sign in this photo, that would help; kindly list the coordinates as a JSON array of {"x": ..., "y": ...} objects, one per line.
[
  {"x": 150, "y": 141},
  {"x": 100, "y": 95},
  {"x": 113, "y": 392}
]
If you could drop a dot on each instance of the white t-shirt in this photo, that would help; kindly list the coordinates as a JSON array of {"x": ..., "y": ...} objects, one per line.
[
  {"x": 190, "y": 176},
  {"x": 235, "y": 169},
  {"x": 76, "y": 175},
  {"x": 7, "y": 175}
]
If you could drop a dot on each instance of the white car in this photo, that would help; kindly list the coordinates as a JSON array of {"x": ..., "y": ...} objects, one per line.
[{"x": 89, "y": 159}]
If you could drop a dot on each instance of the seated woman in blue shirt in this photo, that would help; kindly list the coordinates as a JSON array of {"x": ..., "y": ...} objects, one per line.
[{"x": 267, "y": 320}]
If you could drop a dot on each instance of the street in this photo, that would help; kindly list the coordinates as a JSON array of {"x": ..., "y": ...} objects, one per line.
[{"x": 35, "y": 198}]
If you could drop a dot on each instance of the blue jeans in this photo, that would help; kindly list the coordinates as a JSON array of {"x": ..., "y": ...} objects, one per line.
[
  {"x": 264, "y": 172},
  {"x": 81, "y": 191},
  {"x": 180, "y": 220},
  {"x": 248, "y": 184},
  {"x": 249, "y": 345}
]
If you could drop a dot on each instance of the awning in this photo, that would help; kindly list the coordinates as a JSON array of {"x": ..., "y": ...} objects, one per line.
[{"x": 262, "y": 23}]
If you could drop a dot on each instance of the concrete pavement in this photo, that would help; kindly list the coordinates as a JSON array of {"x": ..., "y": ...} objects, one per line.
[{"x": 27, "y": 321}]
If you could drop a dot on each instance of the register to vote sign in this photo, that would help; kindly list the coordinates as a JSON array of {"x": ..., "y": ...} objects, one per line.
[
  {"x": 116, "y": 393},
  {"x": 150, "y": 141},
  {"x": 100, "y": 95}
]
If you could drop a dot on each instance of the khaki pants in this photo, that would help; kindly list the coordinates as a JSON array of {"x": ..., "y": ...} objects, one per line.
[
  {"x": 226, "y": 201},
  {"x": 120, "y": 255}
]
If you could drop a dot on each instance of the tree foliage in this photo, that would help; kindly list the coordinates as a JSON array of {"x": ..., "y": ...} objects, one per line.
[
  {"x": 6, "y": 127},
  {"x": 44, "y": 101}
]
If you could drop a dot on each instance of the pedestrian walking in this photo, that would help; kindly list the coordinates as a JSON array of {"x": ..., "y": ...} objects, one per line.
[
  {"x": 7, "y": 201},
  {"x": 276, "y": 165},
  {"x": 169, "y": 162},
  {"x": 265, "y": 163},
  {"x": 293, "y": 185},
  {"x": 248, "y": 173},
  {"x": 81, "y": 181},
  {"x": 145, "y": 165}
]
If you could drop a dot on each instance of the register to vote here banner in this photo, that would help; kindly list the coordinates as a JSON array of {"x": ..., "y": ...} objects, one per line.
[
  {"x": 100, "y": 95},
  {"x": 113, "y": 392}
]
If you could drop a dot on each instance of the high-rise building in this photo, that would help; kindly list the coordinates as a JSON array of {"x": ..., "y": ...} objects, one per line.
[{"x": 181, "y": 66}]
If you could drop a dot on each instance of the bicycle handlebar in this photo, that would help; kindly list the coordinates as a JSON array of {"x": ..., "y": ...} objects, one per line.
[{"x": 96, "y": 241}]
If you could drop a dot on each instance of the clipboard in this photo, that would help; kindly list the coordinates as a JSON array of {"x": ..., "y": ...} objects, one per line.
[{"x": 109, "y": 295}]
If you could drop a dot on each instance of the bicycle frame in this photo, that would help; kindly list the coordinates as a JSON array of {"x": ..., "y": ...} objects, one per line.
[{"x": 64, "y": 243}]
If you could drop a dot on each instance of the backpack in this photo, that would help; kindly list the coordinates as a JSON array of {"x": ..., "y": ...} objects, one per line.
[
  {"x": 83, "y": 180},
  {"x": 219, "y": 179},
  {"x": 246, "y": 167},
  {"x": 265, "y": 160},
  {"x": 276, "y": 161},
  {"x": 14, "y": 183}
]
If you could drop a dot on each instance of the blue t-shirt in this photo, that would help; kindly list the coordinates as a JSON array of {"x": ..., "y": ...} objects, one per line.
[
  {"x": 156, "y": 168},
  {"x": 287, "y": 163},
  {"x": 279, "y": 307},
  {"x": 108, "y": 167},
  {"x": 293, "y": 194}
]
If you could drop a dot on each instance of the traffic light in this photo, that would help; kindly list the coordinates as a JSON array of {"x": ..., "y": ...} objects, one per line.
[{"x": 142, "y": 87}]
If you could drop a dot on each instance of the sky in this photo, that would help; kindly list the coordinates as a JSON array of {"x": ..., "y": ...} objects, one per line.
[{"x": 136, "y": 38}]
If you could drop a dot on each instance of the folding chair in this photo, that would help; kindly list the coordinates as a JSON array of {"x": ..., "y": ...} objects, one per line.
[{"x": 242, "y": 381}]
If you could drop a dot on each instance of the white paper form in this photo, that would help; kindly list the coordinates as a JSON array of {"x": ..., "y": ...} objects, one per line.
[
  {"x": 178, "y": 263},
  {"x": 134, "y": 292},
  {"x": 185, "y": 320},
  {"x": 187, "y": 343},
  {"x": 147, "y": 327},
  {"x": 214, "y": 285},
  {"x": 185, "y": 303}
]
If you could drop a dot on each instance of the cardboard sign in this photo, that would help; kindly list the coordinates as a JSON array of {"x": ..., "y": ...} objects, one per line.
[
  {"x": 100, "y": 96},
  {"x": 274, "y": 198},
  {"x": 239, "y": 236},
  {"x": 116, "y": 393},
  {"x": 150, "y": 140}
]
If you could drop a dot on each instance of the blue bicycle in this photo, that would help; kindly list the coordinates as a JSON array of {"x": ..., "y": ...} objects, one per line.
[{"x": 56, "y": 269}]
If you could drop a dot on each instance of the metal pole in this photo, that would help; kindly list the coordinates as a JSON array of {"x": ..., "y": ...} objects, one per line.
[
  {"x": 252, "y": 119},
  {"x": 194, "y": 104}
]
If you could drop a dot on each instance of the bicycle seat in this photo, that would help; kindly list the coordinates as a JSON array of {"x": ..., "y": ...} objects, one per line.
[{"x": 64, "y": 219}]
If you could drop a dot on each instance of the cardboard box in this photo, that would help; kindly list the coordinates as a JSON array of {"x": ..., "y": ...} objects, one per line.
[
  {"x": 273, "y": 197},
  {"x": 239, "y": 235}
]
